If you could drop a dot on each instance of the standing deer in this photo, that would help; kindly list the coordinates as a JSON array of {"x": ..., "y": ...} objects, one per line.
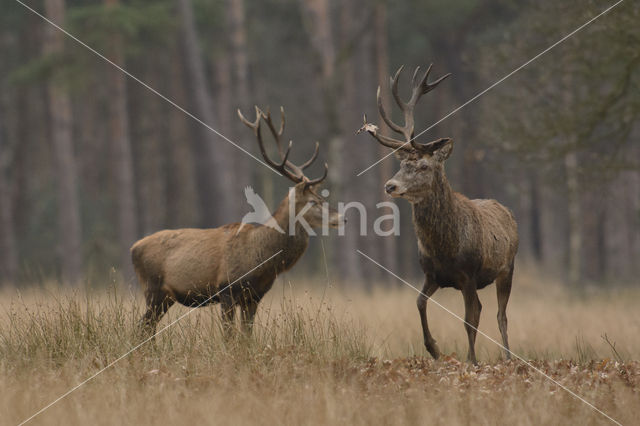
[
  {"x": 464, "y": 244},
  {"x": 195, "y": 266}
]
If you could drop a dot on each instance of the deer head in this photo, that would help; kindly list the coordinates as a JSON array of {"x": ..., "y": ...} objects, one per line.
[
  {"x": 305, "y": 192},
  {"x": 420, "y": 163}
]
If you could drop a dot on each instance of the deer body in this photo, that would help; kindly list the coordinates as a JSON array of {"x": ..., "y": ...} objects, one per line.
[
  {"x": 464, "y": 244},
  {"x": 224, "y": 265},
  {"x": 457, "y": 235},
  {"x": 190, "y": 265}
]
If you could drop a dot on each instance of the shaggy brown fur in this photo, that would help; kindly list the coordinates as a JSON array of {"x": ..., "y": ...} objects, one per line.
[
  {"x": 464, "y": 244},
  {"x": 201, "y": 266}
]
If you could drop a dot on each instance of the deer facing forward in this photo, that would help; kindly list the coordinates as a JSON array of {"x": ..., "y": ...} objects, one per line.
[
  {"x": 196, "y": 266},
  {"x": 464, "y": 244}
]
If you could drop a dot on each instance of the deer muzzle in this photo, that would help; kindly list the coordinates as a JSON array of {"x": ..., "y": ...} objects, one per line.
[{"x": 394, "y": 188}]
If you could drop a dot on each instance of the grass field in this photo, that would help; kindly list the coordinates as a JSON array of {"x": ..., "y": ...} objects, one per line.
[{"x": 321, "y": 355}]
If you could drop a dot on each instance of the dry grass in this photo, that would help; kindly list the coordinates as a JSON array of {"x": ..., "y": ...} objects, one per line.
[{"x": 319, "y": 355}]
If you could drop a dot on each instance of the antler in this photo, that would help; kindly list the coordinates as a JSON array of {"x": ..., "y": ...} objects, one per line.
[
  {"x": 285, "y": 167},
  {"x": 420, "y": 87}
]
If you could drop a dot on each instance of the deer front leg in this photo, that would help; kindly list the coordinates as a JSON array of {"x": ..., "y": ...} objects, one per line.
[
  {"x": 157, "y": 305},
  {"x": 472, "y": 308},
  {"x": 249, "y": 308},
  {"x": 503, "y": 289},
  {"x": 428, "y": 289},
  {"x": 227, "y": 309}
]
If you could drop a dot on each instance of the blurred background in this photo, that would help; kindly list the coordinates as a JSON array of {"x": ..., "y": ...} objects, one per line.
[{"x": 90, "y": 160}]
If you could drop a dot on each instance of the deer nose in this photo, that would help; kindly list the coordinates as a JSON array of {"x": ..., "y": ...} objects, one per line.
[{"x": 390, "y": 187}]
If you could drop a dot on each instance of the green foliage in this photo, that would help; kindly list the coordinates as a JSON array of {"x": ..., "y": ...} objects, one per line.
[
  {"x": 138, "y": 24},
  {"x": 140, "y": 28},
  {"x": 578, "y": 98},
  {"x": 211, "y": 24}
]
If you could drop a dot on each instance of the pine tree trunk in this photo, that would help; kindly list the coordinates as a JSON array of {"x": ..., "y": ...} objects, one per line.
[
  {"x": 350, "y": 264},
  {"x": 151, "y": 166},
  {"x": 213, "y": 154},
  {"x": 122, "y": 157},
  {"x": 360, "y": 79},
  {"x": 534, "y": 218},
  {"x": 240, "y": 97},
  {"x": 575, "y": 218},
  {"x": 9, "y": 257},
  {"x": 317, "y": 19},
  {"x": 389, "y": 243},
  {"x": 69, "y": 226},
  {"x": 181, "y": 187}
]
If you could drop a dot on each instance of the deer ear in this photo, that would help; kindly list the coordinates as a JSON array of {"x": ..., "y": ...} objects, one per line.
[{"x": 440, "y": 149}]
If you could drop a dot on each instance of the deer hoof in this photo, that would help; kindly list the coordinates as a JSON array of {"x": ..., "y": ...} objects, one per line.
[{"x": 433, "y": 350}]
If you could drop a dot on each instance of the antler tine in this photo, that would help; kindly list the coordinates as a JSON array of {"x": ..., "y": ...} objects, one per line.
[
  {"x": 312, "y": 159},
  {"x": 269, "y": 121},
  {"x": 406, "y": 107},
  {"x": 394, "y": 88},
  {"x": 420, "y": 87},
  {"x": 383, "y": 114},
  {"x": 372, "y": 129},
  {"x": 280, "y": 167},
  {"x": 415, "y": 74},
  {"x": 285, "y": 167},
  {"x": 424, "y": 86},
  {"x": 321, "y": 178},
  {"x": 253, "y": 125},
  {"x": 276, "y": 135},
  {"x": 286, "y": 154},
  {"x": 435, "y": 83},
  {"x": 281, "y": 131}
]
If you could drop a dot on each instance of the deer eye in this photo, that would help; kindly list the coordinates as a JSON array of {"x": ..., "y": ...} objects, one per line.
[{"x": 423, "y": 166}]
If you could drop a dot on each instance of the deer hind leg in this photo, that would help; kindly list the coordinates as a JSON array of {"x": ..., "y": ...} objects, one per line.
[
  {"x": 429, "y": 288},
  {"x": 503, "y": 290},
  {"x": 472, "y": 308}
]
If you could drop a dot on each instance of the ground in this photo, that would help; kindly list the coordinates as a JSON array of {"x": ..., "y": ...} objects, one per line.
[{"x": 322, "y": 355}]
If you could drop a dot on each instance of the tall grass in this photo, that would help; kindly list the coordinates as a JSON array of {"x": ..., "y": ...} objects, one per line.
[
  {"x": 50, "y": 328},
  {"x": 318, "y": 354}
]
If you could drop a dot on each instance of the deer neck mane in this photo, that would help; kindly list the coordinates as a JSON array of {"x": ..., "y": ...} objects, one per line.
[
  {"x": 434, "y": 218},
  {"x": 292, "y": 243}
]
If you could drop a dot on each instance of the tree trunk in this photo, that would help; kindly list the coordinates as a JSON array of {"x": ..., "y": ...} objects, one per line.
[
  {"x": 213, "y": 154},
  {"x": 151, "y": 164},
  {"x": 122, "y": 157},
  {"x": 9, "y": 256},
  {"x": 360, "y": 79},
  {"x": 70, "y": 249},
  {"x": 389, "y": 243},
  {"x": 594, "y": 238},
  {"x": 575, "y": 218},
  {"x": 349, "y": 263},
  {"x": 317, "y": 20},
  {"x": 181, "y": 187},
  {"x": 534, "y": 218},
  {"x": 240, "y": 98}
]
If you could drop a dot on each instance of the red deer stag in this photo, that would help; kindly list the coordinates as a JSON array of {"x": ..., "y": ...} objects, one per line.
[
  {"x": 195, "y": 266},
  {"x": 464, "y": 244}
]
